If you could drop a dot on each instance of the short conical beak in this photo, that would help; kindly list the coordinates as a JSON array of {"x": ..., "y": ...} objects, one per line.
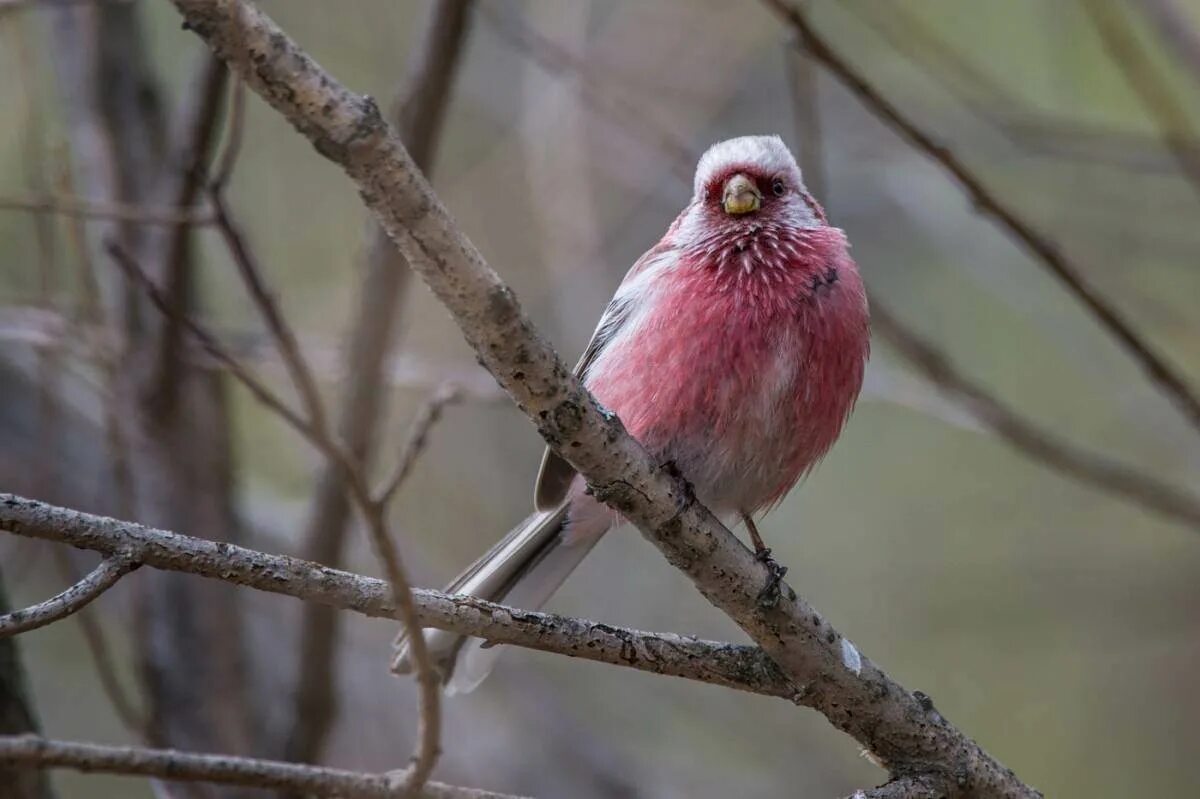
[{"x": 741, "y": 196}]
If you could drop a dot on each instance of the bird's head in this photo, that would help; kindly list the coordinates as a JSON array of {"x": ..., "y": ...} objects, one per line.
[{"x": 752, "y": 180}]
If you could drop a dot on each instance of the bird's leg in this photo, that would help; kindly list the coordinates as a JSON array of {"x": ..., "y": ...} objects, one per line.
[
  {"x": 768, "y": 597},
  {"x": 761, "y": 550}
]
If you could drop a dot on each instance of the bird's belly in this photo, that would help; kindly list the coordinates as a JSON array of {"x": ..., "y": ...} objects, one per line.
[{"x": 718, "y": 400}]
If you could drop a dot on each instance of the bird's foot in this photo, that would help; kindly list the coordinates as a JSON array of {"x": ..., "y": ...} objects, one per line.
[{"x": 768, "y": 597}]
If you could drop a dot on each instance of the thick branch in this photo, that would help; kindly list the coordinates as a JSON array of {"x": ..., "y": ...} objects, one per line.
[
  {"x": 746, "y": 668},
  {"x": 1168, "y": 379},
  {"x": 902, "y": 731},
  {"x": 75, "y": 598},
  {"x": 36, "y": 752}
]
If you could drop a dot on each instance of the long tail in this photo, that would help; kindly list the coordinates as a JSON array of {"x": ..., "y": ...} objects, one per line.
[{"x": 524, "y": 569}]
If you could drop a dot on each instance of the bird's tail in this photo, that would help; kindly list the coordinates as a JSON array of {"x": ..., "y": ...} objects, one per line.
[{"x": 523, "y": 570}]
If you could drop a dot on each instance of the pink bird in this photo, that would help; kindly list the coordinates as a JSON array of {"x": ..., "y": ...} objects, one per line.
[{"x": 734, "y": 348}]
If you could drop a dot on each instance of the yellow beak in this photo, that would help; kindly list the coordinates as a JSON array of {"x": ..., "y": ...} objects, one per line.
[{"x": 741, "y": 196}]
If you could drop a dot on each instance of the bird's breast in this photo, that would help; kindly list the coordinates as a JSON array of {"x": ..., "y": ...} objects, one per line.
[{"x": 743, "y": 376}]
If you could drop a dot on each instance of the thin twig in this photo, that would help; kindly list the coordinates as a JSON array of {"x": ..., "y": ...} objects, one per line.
[
  {"x": 36, "y": 752},
  {"x": 73, "y": 599},
  {"x": 418, "y": 436},
  {"x": 210, "y": 344},
  {"x": 108, "y": 211},
  {"x": 1169, "y": 380},
  {"x": 234, "y": 128},
  {"x": 1152, "y": 88},
  {"x": 285, "y": 340}
]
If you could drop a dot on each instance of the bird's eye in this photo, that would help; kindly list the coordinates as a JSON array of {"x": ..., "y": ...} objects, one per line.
[{"x": 778, "y": 188}]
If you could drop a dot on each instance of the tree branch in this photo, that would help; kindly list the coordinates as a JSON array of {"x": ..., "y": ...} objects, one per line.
[
  {"x": 171, "y": 764},
  {"x": 745, "y": 668},
  {"x": 1168, "y": 379},
  {"x": 906, "y": 734},
  {"x": 72, "y": 600}
]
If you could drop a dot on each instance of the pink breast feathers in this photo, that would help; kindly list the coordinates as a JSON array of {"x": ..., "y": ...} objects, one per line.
[{"x": 744, "y": 362}]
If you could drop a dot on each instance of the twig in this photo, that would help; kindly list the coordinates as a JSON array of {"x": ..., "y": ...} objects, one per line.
[
  {"x": 108, "y": 211},
  {"x": 1168, "y": 379},
  {"x": 73, "y": 599},
  {"x": 1151, "y": 87},
  {"x": 233, "y": 138},
  {"x": 418, "y": 113},
  {"x": 171, "y": 764},
  {"x": 418, "y": 436},
  {"x": 746, "y": 668},
  {"x": 899, "y": 728},
  {"x": 210, "y": 344},
  {"x": 1040, "y": 445},
  {"x": 134, "y": 719},
  {"x": 277, "y": 326}
]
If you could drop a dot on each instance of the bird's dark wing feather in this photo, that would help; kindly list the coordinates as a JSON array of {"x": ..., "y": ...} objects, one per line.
[{"x": 555, "y": 476}]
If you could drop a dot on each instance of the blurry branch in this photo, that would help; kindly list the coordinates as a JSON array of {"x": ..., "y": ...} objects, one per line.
[
  {"x": 1177, "y": 28},
  {"x": 418, "y": 113},
  {"x": 31, "y": 751},
  {"x": 108, "y": 211},
  {"x": 1037, "y": 443},
  {"x": 70, "y": 601},
  {"x": 1161, "y": 373},
  {"x": 746, "y": 668},
  {"x": 902, "y": 730},
  {"x": 1151, "y": 87},
  {"x": 418, "y": 436}
]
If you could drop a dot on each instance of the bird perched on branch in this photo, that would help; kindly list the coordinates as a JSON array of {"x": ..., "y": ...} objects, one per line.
[{"x": 734, "y": 349}]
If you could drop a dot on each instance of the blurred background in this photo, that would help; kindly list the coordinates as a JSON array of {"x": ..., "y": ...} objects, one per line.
[{"x": 1056, "y": 620}]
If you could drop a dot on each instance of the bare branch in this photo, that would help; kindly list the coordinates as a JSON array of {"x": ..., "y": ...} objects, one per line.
[
  {"x": 36, "y": 752},
  {"x": 113, "y": 212},
  {"x": 1151, "y": 87},
  {"x": 281, "y": 333},
  {"x": 745, "y": 668},
  {"x": 418, "y": 437},
  {"x": 210, "y": 344},
  {"x": 1039, "y": 444},
  {"x": 73, "y": 599},
  {"x": 895, "y": 725},
  {"x": 1168, "y": 379}
]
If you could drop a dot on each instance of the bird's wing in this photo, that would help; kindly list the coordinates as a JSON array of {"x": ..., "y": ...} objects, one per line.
[{"x": 555, "y": 476}]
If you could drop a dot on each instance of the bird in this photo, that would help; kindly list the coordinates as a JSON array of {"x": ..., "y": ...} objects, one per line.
[{"x": 734, "y": 349}]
